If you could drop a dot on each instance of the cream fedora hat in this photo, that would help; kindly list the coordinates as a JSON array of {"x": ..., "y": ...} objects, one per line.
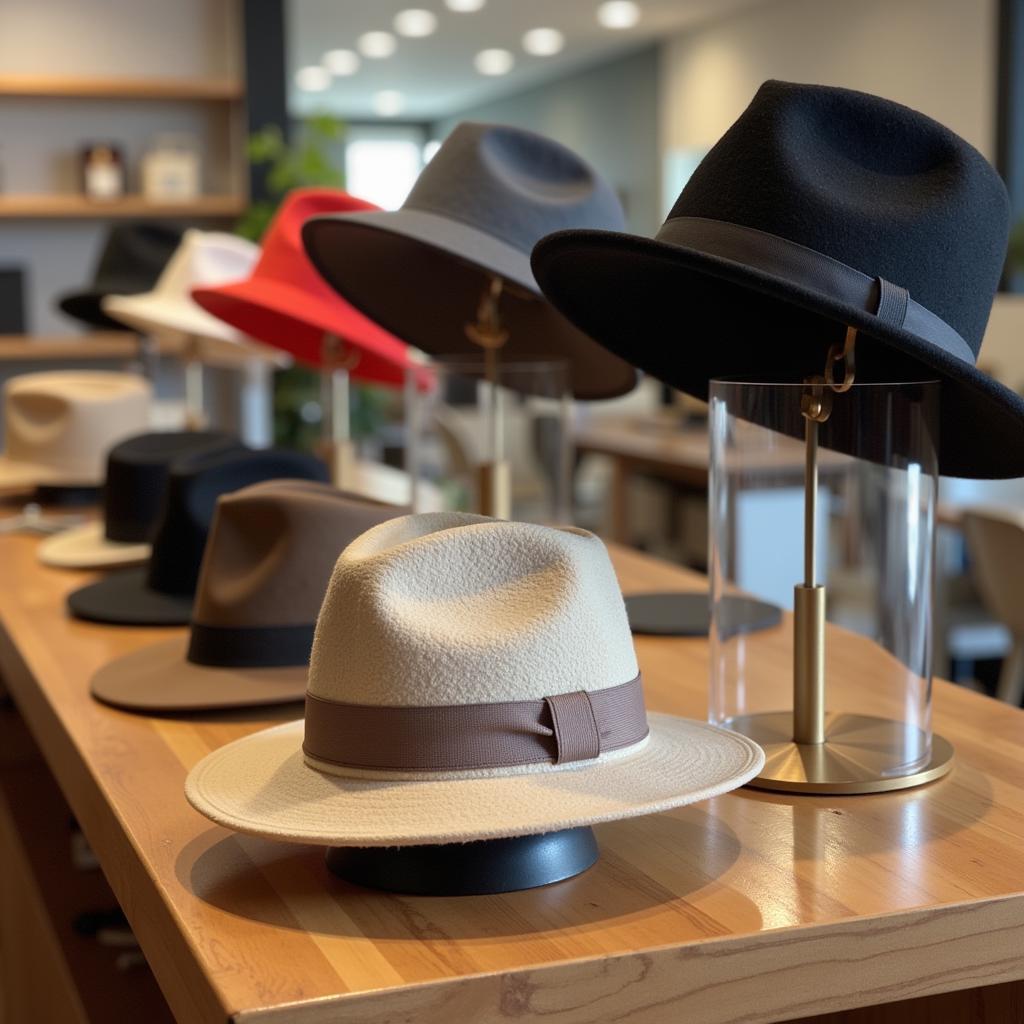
[
  {"x": 470, "y": 679},
  {"x": 203, "y": 259},
  {"x": 60, "y": 424},
  {"x": 265, "y": 570}
]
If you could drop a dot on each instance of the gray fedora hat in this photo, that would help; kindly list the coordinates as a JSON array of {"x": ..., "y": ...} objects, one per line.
[{"x": 490, "y": 193}]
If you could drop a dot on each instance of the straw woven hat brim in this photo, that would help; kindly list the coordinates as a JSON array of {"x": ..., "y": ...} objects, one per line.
[
  {"x": 87, "y": 547},
  {"x": 262, "y": 786},
  {"x": 124, "y": 599},
  {"x": 160, "y": 678}
]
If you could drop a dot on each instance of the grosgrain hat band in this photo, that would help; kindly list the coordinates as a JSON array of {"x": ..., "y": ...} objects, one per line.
[
  {"x": 250, "y": 646},
  {"x": 817, "y": 272},
  {"x": 562, "y": 729}
]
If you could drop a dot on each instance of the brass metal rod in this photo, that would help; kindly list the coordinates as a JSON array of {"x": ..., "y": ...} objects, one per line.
[
  {"x": 809, "y": 664},
  {"x": 810, "y": 499},
  {"x": 194, "y": 398}
]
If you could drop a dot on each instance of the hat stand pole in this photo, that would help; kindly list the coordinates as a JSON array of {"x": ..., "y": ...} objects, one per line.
[
  {"x": 494, "y": 483},
  {"x": 335, "y": 403},
  {"x": 195, "y": 417},
  {"x": 810, "y": 750},
  {"x": 468, "y": 869}
]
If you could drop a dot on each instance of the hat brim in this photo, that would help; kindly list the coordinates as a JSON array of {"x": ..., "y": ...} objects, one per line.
[
  {"x": 124, "y": 599},
  {"x": 687, "y": 317},
  {"x": 443, "y": 267},
  {"x": 262, "y": 786},
  {"x": 159, "y": 678},
  {"x": 16, "y": 477},
  {"x": 87, "y": 308},
  {"x": 87, "y": 547},
  {"x": 296, "y": 320}
]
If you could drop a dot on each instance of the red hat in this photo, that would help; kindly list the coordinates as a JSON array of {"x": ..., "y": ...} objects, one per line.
[{"x": 286, "y": 303}]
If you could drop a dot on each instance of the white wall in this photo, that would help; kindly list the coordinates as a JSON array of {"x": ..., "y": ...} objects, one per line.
[{"x": 938, "y": 56}]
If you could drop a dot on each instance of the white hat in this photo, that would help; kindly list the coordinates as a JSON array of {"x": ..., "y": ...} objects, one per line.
[
  {"x": 469, "y": 679},
  {"x": 60, "y": 424},
  {"x": 204, "y": 259}
]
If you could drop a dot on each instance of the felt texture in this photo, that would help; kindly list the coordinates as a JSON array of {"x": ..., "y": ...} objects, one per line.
[
  {"x": 860, "y": 179},
  {"x": 133, "y": 493},
  {"x": 131, "y": 260},
  {"x": 260, "y": 785},
  {"x": 270, "y": 554},
  {"x": 60, "y": 424},
  {"x": 286, "y": 304},
  {"x": 476, "y": 211},
  {"x": 162, "y": 592},
  {"x": 450, "y": 608}
]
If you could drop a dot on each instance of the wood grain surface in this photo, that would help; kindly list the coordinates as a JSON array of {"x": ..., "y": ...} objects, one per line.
[{"x": 750, "y": 907}]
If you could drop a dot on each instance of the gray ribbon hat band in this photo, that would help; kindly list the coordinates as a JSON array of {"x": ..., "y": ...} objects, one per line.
[{"x": 817, "y": 272}]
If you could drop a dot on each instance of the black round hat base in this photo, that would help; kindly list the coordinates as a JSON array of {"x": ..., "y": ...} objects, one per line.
[
  {"x": 689, "y": 614},
  {"x": 468, "y": 869},
  {"x": 66, "y": 496}
]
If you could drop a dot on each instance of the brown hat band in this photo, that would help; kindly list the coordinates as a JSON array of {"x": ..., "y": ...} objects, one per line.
[{"x": 557, "y": 730}]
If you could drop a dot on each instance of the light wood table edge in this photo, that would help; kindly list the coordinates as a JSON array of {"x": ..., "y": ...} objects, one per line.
[
  {"x": 188, "y": 992},
  {"x": 806, "y": 970}
]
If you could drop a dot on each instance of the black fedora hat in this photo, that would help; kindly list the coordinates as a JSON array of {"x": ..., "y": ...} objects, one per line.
[
  {"x": 130, "y": 262},
  {"x": 820, "y": 208},
  {"x": 474, "y": 214},
  {"x": 133, "y": 492},
  {"x": 161, "y": 592}
]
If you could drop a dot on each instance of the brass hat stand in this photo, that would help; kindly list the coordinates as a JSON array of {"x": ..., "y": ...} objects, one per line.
[
  {"x": 336, "y": 447},
  {"x": 494, "y": 478},
  {"x": 811, "y": 750}
]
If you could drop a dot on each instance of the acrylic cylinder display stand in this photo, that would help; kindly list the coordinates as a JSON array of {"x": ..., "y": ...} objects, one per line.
[
  {"x": 492, "y": 437},
  {"x": 468, "y": 869},
  {"x": 833, "y": 521}
]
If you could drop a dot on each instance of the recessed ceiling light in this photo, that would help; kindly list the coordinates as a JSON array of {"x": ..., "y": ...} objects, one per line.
[
  {"x": 415, "y": 23},
  {"x": 388, "y": 103},
  {"x": 376, "y": 45},
  {"x": 494, "y": 62},
  {"x": 618, "y": 14},
  {"x": 341, "y": 62},
  {"x": 543, "y": 42},
  {"x": 464, "y": 6},
  {"x": 313, "y": 78}
]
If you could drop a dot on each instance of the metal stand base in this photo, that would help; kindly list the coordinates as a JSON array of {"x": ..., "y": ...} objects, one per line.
[
  {"x": 468, "y": 869},
  {"x": 856, "y": 756}
]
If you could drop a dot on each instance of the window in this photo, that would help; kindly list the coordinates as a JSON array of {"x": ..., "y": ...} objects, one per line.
[{"x": 381, "y": 163}]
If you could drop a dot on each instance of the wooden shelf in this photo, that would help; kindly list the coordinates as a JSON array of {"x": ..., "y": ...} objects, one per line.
[
  {"x": 88, "y": 87},
  {"x": 41, "y": 206}
]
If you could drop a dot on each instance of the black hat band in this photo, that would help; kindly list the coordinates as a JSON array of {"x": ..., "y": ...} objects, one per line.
[
  {"x": 250, "y": 646},
  {"x": 816, "y": 272}
]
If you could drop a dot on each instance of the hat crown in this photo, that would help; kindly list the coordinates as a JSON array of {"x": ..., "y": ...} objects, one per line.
[
  {"x": 868, "y": 182},
  {"x": 193, "y": 487},
  {"x": 513, "y": 184},
  {"x": 283, "y": 256},
  {"x": 137, "y": 252},
  {"x": 272, "y": 549},
  {"x": 206, "y": 258},
  {"x": 451, "y": 609},
  {"x": 137, "y": 472},
  {"x": 68, "y": 420}
]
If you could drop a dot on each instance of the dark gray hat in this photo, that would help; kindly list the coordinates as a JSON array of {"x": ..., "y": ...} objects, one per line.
[{"x": 476, "y": 212}]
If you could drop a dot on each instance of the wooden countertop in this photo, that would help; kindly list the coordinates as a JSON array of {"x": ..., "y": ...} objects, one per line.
[{"x": 752, "y": 906}]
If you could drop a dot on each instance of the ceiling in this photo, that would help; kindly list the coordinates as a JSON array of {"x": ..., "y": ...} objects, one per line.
[{"x": 436, "y": 75}]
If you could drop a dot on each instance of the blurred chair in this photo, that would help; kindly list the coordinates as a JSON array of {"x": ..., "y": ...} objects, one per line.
[{"x": 995, "y": 541}]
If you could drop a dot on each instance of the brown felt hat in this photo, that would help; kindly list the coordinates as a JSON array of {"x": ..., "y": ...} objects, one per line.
[{"x": 265, "y": 571}]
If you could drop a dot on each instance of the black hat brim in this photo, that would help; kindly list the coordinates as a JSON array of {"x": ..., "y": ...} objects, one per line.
[
  {"x": 124, "y": 599},
  {"x": 687, "y": 317},
  {"x": 86, "y": 308},
  {"x": 443, "y": 265}
]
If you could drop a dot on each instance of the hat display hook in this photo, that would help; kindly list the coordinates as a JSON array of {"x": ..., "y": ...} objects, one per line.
[
  {"x": 810, "y": 750},
  {"x": 494, "y": 481},
  {"x": 338, "y": 360}
]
